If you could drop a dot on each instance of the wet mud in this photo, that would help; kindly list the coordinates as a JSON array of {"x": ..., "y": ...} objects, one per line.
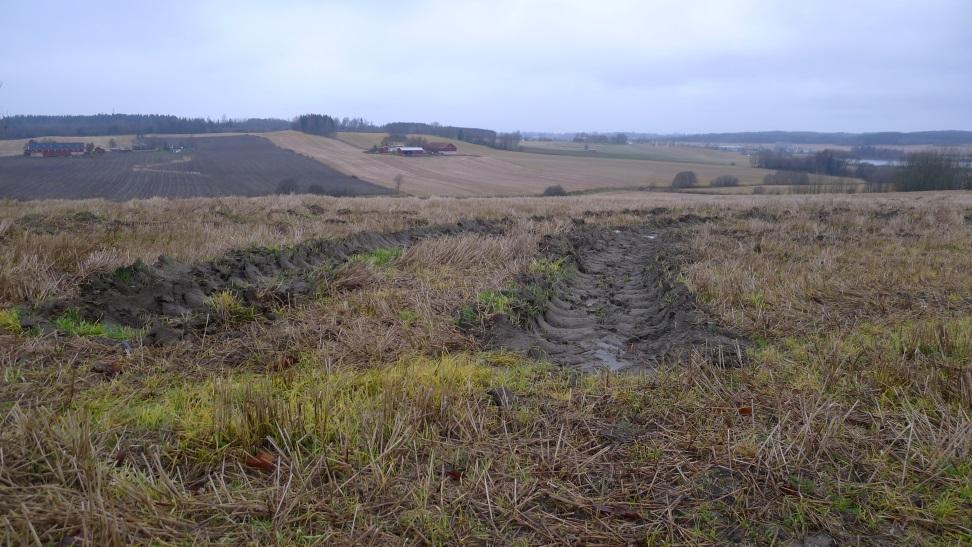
[
  {"x": 617, "y": 305},
  {"x": 143, "y": 295}
]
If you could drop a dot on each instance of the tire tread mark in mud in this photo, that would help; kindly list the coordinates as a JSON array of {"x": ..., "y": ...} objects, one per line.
[{"x": 620, "y": 307}]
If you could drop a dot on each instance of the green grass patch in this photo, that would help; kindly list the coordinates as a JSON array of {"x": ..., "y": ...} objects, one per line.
[
  {"x": 309, "y": 402},
  {"x": 492, "y": 303},
  {"x": 548, "y": 268},
  {"x": 407, "y": 317},
  {"x": 227, "y": 306},
  {"x": 10, "y": 321},
  {"x": 72, "y": 323},
  {"x": 495, "y": 302},
  {"x": 125, "y": 274},
  {"x": 380, "y": 257}
]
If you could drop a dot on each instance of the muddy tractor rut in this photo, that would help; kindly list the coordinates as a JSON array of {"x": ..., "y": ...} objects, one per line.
[
  {"x": 618, "y": 305},
  {"x": 615, "y": 305},
  {"x": 169, "y": 296}
]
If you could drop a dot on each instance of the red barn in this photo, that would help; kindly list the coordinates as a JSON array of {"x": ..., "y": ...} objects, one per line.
[{"x": 445, "y": 148}]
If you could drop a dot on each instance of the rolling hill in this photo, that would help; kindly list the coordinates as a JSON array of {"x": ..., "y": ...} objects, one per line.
[{"x": 482, "y": 171}]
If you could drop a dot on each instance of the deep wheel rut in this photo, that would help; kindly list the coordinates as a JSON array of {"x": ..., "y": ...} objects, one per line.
[{"x": 620, "y": 306}]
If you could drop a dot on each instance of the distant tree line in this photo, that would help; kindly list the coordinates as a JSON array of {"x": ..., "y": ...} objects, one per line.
[
  {"x": 877, "y": 153},
  {"x": 923, "y": 170},
  {"x": 934, "y": 170},
  {"x": 601, "y": 138},
  {"x": 688, "y": 179},
  {"x": 25, "y": 127},
  {"x": 936, "y": 138},
  {"x": 825, "y": 162},
  {"x": 316, "y": 124},
  {"x": 319, "y": 124},
  {"x": 472, "y": 135}
]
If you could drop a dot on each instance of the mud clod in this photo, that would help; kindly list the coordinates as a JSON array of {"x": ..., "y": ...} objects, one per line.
[{"x": 502, "y": 397}]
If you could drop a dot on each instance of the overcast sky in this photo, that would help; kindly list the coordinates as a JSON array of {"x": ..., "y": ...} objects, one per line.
[{"x": 560, "y": 65}]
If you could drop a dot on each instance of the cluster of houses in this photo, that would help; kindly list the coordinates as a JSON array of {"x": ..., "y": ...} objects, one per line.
[
  {"x": 428, "y": 149},
  {"x": 52, "y": 149}
]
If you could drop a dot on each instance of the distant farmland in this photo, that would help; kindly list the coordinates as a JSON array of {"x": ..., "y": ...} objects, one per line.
[
  {"x": 209, "y": 167},
  {"x": 638, "y": 151},
  {"x": 489, "y": 172}
]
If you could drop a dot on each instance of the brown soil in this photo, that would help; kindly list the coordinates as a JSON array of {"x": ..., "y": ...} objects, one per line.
[
  {"x": 618, "y": 305},
  {"x": 211, "y": 166}
]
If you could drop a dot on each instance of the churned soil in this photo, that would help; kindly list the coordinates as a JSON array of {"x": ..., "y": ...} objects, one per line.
[
  {"x": 144, "y": 295},
  {"x": 618, "y": 305}
]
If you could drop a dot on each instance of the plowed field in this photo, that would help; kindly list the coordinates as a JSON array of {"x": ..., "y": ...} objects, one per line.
[{"x": 210, "y": 167}]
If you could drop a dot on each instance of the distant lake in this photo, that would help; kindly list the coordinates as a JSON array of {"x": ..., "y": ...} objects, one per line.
[{"x": 879, "y": 161}]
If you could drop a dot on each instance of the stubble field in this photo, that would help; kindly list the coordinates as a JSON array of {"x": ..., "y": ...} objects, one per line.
[
  {"x": 482, "y": 171},
  {"x": 621, "y": 368}
]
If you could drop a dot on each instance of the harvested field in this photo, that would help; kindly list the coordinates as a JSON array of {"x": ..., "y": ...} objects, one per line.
[
  {"x": 638, "y": 151},
  {"x": 211, "y": 166},
  {"x": 489, "y": 172},
  {"x": 361, "y": 408}
]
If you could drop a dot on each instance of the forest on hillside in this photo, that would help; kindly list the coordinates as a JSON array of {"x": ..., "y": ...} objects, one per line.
[{"x": 30, "y": 126}]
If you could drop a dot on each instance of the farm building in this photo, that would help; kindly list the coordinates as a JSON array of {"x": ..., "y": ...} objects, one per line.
[
  {"x": 445, "y": 148},
  {"x": 411, "y": 151},
  {"x": 53, "y": 149}
]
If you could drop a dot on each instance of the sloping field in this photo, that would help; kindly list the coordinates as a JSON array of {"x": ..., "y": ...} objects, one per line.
[
  {"x": 365, "y": 141},
  {"x": 494, "y": 172},
  {"x": 227, "y": 165},
  {"x": 638, "y": 151}
]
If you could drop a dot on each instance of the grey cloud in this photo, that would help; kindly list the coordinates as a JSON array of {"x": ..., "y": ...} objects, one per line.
[{"x": 666, "y": 66}]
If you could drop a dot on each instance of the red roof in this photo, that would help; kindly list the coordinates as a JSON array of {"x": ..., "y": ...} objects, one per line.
[{"x": 441, "y": 147}]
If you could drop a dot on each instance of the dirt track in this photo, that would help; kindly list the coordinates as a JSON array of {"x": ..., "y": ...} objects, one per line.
[{"x": 619, "y": 307}]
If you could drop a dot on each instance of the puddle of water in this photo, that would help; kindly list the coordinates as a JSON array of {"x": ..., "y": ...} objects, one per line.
[{"x": 607, "y": 354}]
